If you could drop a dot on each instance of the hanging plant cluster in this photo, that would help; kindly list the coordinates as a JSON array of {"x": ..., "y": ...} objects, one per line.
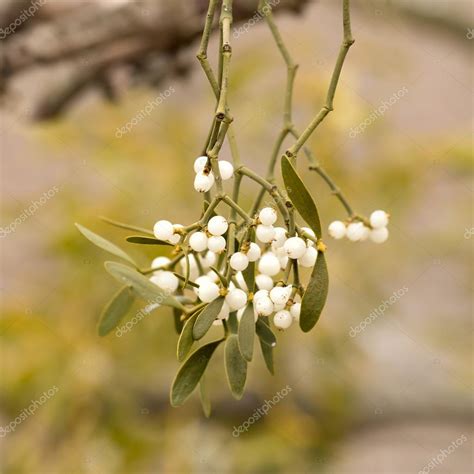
[{"x": 235, "y": 268}]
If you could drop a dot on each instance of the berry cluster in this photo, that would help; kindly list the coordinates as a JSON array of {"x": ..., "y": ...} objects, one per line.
[
  {"x": 204, "y": 179},
  {"x": 271, "y": 253},
  {"x": 374, "y": 229}
]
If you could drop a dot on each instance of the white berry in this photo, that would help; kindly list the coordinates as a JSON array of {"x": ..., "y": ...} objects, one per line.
[
  {"x": 280, "y": 238},
  {"x": 198, "y": 241},
  {"x": 282, "y": 319},
  {"x": 379, "y": 236},
  {"x": 264, "y": 306},
  {"x": 269, "y": 264},
  {"x": 295, "y": 247},
  {"x": 337, "y": 229},
  {"x": 254, "y": 252},
  {"x": 241, "y": 281},
  {"x": 295, "y": 311},
  {"x": 239, "y": 261},
  {"x": 216, "y": 243},
  {"x": 310, "y": 232},
  {"x": 193, "y": 268},
  {"x": 355, "y": 231},
  {"x": 217, "y": 225},
  {"x": 267, "y": 216},
  {"x": 264, "y": 282},
  {"x": 200, "y": 163},
  {"x": 265, "y": 233},
  {"x": 167, "y": 281},
  {"x": 378, "y": 219},
  {"x": 226, "y": 170},
  {"x": 208, "y": 292},
  {"x": 365, "y": 233},
  {"x": 280, "y": 294},
  {"x": 209, "y": 259},
  {"x": 261, "y": 293},
  {"x": 159, "y": 262},
  {"x": 163, "y": 230},
  {"x": 203, "y": 182},
  {"x": 224, "y": 312},
  {"x": 236, "y": 299},
  {"x": 309, "y": 258}
]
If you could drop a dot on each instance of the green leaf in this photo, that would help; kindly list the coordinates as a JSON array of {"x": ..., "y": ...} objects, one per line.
[
  {"x": 315, "y": 295},
  {"x": 204, "y": 397},
  {"x": 122, "y": 225},
  {"x": 300, "y": 196},
  {"x": 147, "y": 290},
  {"x": 265, "y": 333},
  {"x": 249, "y": 276},
  {"x": 207, "y": 317},
  {"x": 235, "y": 367},
  {"x": 186, "y": 339},
  {"x": 190, "y": 373},
  {"x": 104, "y": 244},
  {"x": 233, "y": 323},
  {"x": 247, "y": 333},
  {"x": 115, "y": 310},
  {"x": 139, "y": 239},
  {"x": 267, "y": 352},
  {"x": 178, "y": 324}
]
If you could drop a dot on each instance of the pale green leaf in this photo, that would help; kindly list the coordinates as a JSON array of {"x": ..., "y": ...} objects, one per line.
[
  {"x": 207, "y": 317},
  {"x": 190, "y": 373},
  {"x": 186, "y": 339},
  {"x": 247, "y": 333},
  {"x": 104, "y": 244},
  {"x": 315, "y": 295},
  {"x": 139, "y": 239},
  {"x": 235, "y": 367},
  {"x": 115, "y": 310},
  {"x": 300, "y": 196},
  {"x": 147, "y": 290}
]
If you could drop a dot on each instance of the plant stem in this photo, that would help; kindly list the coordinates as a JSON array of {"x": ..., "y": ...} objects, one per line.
[{"x": 347, "y": 42}]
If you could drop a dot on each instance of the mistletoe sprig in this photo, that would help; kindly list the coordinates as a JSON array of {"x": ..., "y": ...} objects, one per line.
[{"x": 234, "y": 268}]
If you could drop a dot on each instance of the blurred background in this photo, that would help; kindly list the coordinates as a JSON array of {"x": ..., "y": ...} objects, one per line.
[{"x": 392, "y": 394}]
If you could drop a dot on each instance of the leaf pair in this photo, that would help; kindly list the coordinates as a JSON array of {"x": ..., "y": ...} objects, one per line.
[{"x": 316, "y": 292}]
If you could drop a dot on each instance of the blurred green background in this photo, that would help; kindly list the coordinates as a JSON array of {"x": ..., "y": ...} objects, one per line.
[{"x": 385, "y": 401}]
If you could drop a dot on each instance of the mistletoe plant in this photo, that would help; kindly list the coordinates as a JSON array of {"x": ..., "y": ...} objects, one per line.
[{"x": 237, "y": 268}]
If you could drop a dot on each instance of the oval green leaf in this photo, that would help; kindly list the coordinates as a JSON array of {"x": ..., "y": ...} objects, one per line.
[
  {"x": 267, "y": 352},
  {"x": 147, "y": 290},
  {"x": 300, "y": 196},
  {"x": 139, "y": 239},
  {"x": 235, "y": 367},
  {"x": 186, "y": 339},
  {"x": 122, "y": 225},
  {"x": 190, "y": 373},
  {"x": 104, "y": 244},
  {"x": 204, "y": 397},
  {"x": 115, "y": 310},
  {"x": 265, "y": 333},
  {"x": 315, "y": 295},
  {"x": 247, "y": 333},
  {"x": 207, "y": 317}
]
